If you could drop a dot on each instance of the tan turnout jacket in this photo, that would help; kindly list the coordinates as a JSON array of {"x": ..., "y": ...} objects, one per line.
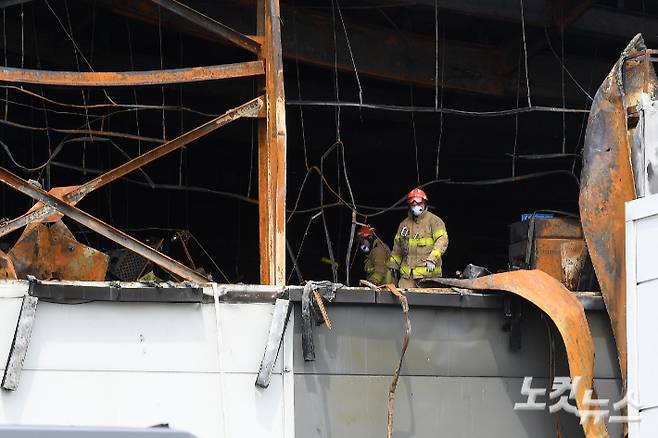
[
  {"x": 417, "y": 241},
  {"x": 375, "y": 265}
]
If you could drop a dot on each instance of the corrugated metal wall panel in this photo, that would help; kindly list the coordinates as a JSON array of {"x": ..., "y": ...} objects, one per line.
[
  {"x": 331, "y": 406},
  {"x": 460, "y": 378},
  {"x": 444, "y": 342}
]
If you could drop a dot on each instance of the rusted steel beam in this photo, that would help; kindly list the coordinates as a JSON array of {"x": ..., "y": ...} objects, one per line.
[
  {"x": 249, "y": 109},
  {"x": 210, "y": 25},
  {"x": 272, "y": 151},
  {"x": 100, "y": 227},
  {"x": 130, "y": 78},
  {"x": 379, "y": 53},
  {"x": 565, "y": 15},
  {"x": 564, "y": 309},
  {"x": 562, "y": 16},
  {"x": 7, "y": 3}
]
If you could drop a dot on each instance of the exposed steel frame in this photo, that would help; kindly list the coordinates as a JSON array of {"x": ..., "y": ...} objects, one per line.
[
  {"x": 100, "y": 227},
  {"x": 249, "y": 109},
  {"x": 131, "y": 78},
  {"x": 271, "y": 134}
]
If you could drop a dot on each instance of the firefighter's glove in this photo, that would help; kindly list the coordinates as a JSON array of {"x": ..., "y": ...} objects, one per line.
[{"x": 430, "y": 266}]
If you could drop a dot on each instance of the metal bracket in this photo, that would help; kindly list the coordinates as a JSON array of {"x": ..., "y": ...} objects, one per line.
[
  {"x": 513, "y": 314},
  {"x": 280, "y": 317},
  {"x": 20, "y": 343}
]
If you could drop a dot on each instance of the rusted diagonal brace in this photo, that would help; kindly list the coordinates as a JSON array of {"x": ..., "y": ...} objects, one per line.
[
  {"x": 250, "y": 108},
  {"x": 100, "y": 227},
  {"x": 209, "y": 24}
]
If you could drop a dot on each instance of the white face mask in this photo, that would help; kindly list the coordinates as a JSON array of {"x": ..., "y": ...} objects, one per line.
[
  {"x": 365, "y": 247},
  {"x": 417, "y": 209}
]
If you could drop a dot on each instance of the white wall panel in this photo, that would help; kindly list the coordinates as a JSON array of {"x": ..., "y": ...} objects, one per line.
[
  {"x": 642, "y": 306},
  {"x": 146, "y": 336},
  {"x": 187, "y": 401},
  {"x": 647, "y": 323},
  {"x": 647, "y": 248},
  {"x": 648, "y": 426},
  {"x": 136, "y": 365}
]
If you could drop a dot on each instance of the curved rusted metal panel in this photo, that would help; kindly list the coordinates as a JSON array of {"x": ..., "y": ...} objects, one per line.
[
  {"x": 565, "y": 311},
  {"x": 607, "y": 179},
  {"x": 53, "y": 253}
]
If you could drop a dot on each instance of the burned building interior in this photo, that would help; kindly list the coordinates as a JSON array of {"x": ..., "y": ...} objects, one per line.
[
  {"x": 483, "y": 104},
  {"x": 235, "y": 156}
]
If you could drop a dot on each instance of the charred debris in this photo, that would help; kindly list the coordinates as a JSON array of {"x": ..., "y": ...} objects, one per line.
[{"x": 153, "y": 141}]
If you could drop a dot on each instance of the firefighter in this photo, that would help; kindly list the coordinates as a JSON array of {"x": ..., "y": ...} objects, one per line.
[
  {"x": 377, "y": 254},
  {"x": 419, "y": 243}
]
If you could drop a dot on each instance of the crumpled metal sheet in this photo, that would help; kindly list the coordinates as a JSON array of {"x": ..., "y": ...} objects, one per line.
[
  {"x": 51, "y": 252},
  {"x": 607, "y": 180},
  {"x": 311, "y": 314},
  {"x": 564, "y": 309}
]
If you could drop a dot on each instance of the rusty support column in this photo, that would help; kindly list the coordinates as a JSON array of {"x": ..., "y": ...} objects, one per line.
[{"x": 272, "y": 150}]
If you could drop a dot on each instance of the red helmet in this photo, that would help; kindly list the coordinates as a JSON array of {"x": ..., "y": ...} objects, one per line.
[
  {"x": 416, "y": 196},
  {"x": 365, "y": 231}
]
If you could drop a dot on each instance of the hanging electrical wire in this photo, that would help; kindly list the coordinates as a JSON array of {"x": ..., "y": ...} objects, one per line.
[
  {"x": 334, "y": 271},
  {"x": 431, "y": 109},
  {"x": 109, "y": 105},
  {"x": 90, "y": 132},
  {"x": 299, "y": 92},
  {"x": 4, "y": 48},
  {"x": 525, "y": 54},
  {"x": 516, "y": 117},
  {"x": 132, "y": 67},
  {"x": 349, "y": 49},
  {"x": 47, "y": 169},
  {"x": 563, "y": 66},
  {"x": 77, "y": 64},
  {"x": 440, "y": 107},
  {"x": 162, "y": 88},
  {"x": 564, "y": 118},
  {"x": 413, "y": 132},
  {"x": 301, "y": 244},
  {"x": 436, "y": 54},
  {"x": 181, "y": 153},
  {"x": 336, "y": 89},
  {"x": 59, "y": 148},
  {"x": 75, "y": 45}
]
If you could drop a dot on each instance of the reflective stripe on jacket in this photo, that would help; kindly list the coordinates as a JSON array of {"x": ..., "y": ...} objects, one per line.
[{"x": 424, "y": 239}]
